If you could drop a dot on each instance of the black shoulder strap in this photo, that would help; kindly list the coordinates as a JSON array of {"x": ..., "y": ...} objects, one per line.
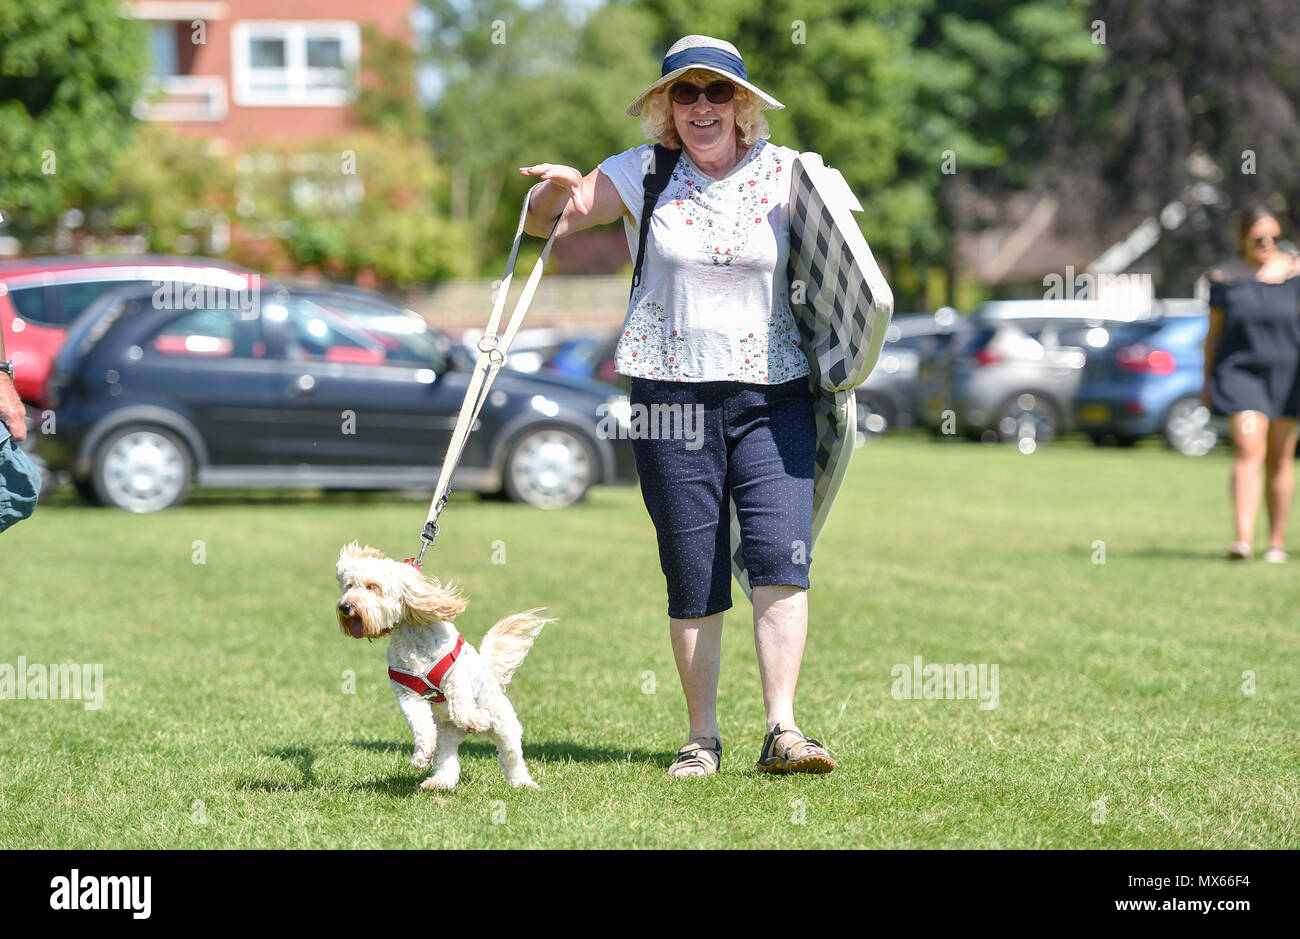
[{"x": 665, "y": 161}]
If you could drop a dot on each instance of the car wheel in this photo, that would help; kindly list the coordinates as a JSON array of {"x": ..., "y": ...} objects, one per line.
[
  {"x": 1098, "y": 440},
  {"x": 549, "y": 467},
  {"x": 142, "y": 469},
  {"x": 1027, "y": 415},
  {"x": 1188, "y": 428}
]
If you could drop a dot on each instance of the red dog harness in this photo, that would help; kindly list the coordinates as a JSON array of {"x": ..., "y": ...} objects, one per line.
[{"x": 428, "y": 686}]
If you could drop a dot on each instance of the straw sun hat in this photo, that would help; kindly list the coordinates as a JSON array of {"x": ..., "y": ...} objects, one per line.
[{"x": 703, "y": 52}]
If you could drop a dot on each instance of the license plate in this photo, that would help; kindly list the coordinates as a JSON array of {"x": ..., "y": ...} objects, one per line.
[{"x": 1094, "y": 413}]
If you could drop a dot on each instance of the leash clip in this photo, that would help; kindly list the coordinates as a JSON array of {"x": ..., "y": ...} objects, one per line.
[{"x": 428, "y": 537}]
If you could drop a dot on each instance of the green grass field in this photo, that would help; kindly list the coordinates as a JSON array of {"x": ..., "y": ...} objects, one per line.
[{"x": 1122, "y": 720}]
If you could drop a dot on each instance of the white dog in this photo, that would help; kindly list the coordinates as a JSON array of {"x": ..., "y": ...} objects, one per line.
[{"x": 444, "y": 687}]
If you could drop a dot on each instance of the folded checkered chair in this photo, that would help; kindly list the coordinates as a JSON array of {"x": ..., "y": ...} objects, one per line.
[{"x": 842, "y": 307}]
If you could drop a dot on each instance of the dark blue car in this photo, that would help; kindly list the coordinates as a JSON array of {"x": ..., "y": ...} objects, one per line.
[
  {"x": 1146, "y": 380},
  {"x": 159, "y": 387}
]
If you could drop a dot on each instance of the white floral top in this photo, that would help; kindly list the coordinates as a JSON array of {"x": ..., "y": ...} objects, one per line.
[{"x": 713, "y": 302}]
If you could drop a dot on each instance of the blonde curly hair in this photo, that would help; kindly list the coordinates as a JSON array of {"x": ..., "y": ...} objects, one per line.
[{"x": 657, "y": 113}]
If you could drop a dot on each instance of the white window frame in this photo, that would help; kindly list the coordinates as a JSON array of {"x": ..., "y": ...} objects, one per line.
[{"x": 295, "y": 35}]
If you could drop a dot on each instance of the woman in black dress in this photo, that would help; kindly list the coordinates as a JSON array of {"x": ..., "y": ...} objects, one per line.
[{"x": 1252, "y": 356}]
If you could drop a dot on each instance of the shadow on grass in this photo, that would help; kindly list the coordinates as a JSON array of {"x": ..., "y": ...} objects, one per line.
[
  {"x": 402, "y": 784},
  {"x": 303, "y": 759},
  {"x": 548, "y": 752}
]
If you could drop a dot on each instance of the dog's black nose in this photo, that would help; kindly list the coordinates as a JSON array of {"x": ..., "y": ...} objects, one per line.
[{"x": 346, "y": 608}]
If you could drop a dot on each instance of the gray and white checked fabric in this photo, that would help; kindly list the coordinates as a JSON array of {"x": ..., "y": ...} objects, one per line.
[{"x": 844, "y": 314}]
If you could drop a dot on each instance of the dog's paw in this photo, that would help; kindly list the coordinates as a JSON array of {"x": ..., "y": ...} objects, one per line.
[
  {"x": 433, "y": 782},
  {"x": 421, "y": 759},
  {"x": 525, "y": 784}
]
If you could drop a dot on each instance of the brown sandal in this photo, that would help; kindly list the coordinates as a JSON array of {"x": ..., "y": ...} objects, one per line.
[
  {"x": 805, "y": 756},
  {"x": 690, "y": 756}
]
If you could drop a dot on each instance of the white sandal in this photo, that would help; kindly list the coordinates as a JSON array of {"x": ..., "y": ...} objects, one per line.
[
  {"x": 1275, "y": 556},
  {"x": 1239, "y": 551},
  {"x": 693, "y": 756}
]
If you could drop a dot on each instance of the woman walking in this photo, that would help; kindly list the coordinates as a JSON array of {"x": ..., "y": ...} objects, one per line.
[
  {"x": 709, "y": 328},
  {"x": 1252, "y": 356}
]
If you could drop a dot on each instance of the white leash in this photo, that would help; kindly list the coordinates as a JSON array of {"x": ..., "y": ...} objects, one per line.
[{"x": 492, "y": 356}]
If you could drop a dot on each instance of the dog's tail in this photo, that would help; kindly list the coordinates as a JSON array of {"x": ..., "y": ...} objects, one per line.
[{"x": 507, "y": 643}]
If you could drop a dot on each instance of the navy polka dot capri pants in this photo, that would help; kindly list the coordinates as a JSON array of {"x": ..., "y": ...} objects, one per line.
[{"x": 757, "y": 444}]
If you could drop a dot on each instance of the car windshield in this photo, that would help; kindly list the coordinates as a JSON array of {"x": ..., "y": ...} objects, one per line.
[{"x": 405, "y": 337}]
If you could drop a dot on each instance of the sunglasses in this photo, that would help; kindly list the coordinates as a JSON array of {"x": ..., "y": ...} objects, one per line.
[{"x": 719, "y": 92}]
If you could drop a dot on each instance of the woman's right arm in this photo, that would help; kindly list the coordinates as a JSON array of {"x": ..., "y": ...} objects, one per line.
[{"x": 586, "y": 201}]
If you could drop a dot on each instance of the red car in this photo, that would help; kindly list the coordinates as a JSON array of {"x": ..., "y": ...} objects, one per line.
[{"x": 40, "y": 297}]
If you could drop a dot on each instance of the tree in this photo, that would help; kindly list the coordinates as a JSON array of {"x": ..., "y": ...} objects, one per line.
[
  {"x": 168, "y": 189},
  {"x": 994, "y": 77},
  {"x": 523, "y": 86},
  {"x": 70, "y": 71},
  {"x": 350, "y": 206},
  {"x": 883, "y": 89},
  {"x": 911, "y": 100},
  {"x": 1193, "y": 92},
  {"x": 387, "y": 98}
]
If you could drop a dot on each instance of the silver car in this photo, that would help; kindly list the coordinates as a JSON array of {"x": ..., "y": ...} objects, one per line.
[{"x": 1015, "y": 376}]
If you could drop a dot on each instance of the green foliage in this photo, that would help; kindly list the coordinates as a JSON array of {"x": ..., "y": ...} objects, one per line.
[
  {"x": 547, "y": 91},
  {"x": 993, "y": 76},
  {"x": 881, "y": 88},
  {"x": 357, "y": 205},
  {"x": 387, "y": 98},
  {"x": 168, "y": 188},
  {"x": 69, "y": 72},
  {"x": 1194, "y": 95}
]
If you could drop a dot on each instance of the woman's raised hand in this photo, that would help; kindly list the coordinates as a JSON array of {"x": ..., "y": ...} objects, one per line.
[{"x": 564, "y": 177}]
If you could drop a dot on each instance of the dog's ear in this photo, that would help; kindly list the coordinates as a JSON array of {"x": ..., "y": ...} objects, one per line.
[{"x": 428, "y": 601}]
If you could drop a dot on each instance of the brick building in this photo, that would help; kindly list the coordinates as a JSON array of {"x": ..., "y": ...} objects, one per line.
[{"x": 246, "y": 71}]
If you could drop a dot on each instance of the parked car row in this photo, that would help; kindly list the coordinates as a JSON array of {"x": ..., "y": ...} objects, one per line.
[
  {"x": 168, "y": 373},
  {"x": 1019, "y": 368},
  {"x": 164, "y": 372},
  {"x": 1038, "y": 369}
]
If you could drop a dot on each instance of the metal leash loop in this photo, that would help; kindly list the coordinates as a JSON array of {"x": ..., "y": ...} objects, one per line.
[
  {"x": 495, "y": 355},
  {"x": 429, "y": 536}
]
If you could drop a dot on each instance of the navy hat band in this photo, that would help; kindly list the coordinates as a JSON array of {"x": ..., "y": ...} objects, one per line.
[{"x": 704, "y": 55}]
